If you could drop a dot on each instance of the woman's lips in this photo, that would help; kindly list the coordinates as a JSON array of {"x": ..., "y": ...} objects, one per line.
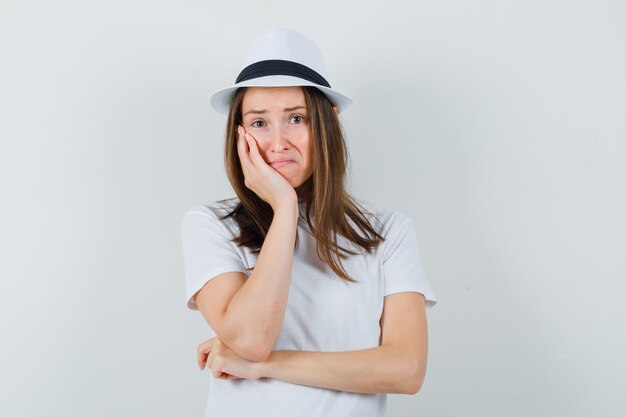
[{"x": 282, "y": 162}]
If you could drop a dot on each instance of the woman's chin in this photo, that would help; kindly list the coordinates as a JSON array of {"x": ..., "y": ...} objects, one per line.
[{"x": 294, "y": 183}]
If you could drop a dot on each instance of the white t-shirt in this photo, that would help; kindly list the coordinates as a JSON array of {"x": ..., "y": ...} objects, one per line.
[{"x": 324, "y": 312}]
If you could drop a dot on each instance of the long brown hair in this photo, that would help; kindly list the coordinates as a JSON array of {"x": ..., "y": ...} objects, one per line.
[{"x": 324, "y": 195}]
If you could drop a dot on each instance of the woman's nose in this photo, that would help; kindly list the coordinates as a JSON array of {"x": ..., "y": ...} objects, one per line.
[{"x": 278, "y": 138}]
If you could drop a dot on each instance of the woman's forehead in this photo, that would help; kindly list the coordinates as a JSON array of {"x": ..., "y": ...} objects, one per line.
[{"x": 272, "y": 98}]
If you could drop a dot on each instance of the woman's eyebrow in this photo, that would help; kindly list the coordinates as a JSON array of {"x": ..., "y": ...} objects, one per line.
[{"x": 285, "y": 110}]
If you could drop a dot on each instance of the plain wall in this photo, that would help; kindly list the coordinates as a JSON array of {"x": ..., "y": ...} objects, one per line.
[{"x": 498, "y": 126}]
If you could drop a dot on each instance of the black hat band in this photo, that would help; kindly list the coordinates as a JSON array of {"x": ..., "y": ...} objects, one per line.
[{"x": 280, "y": 67}]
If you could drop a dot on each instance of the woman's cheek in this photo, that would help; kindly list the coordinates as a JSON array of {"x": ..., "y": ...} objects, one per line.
[
  {"x": 255, "y": 131},
  {"x": 300, "y": 127}
]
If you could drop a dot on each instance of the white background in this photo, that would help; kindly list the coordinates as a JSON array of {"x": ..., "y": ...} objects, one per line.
[{"x": 498, "y": 126}]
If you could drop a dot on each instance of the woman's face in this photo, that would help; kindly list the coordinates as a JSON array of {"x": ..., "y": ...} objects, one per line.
[{"x": 278, "y": 119}]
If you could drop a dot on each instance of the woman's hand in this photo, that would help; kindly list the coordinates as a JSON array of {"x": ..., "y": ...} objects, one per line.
[
  {"x": 224, "y": 362},
  {"x": 260, "y": 177}
]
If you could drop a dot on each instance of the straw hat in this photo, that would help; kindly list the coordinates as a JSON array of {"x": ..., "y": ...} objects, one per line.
[{"x": 281, "y": 57}]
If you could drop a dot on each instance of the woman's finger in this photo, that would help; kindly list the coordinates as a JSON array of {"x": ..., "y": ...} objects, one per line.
[
  {"x": 214, "y": 355},
  {"x": 242, "y": 150},
  {"x": 216, "y": 368},
  {"x": 203, "y": 350},
  {"x": 209, "y": 359},
  {"x": 255, "y": 155},
  {"x": 201, "y": 359}
]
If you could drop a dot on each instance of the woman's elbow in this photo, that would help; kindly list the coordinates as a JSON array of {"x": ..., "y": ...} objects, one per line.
[
  {"x": 252, "y": 350},
  {"x": 414, "y": 387},
  {"x": 415, "y": 380},
  {"x": 259, "y": 353}
]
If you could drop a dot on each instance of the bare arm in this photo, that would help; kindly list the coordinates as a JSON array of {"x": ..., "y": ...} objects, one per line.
[
  {"x": 383, "y": 369},
  {"x": 247, "y": 314},
  {"x": 397, "y": 366},
  {"x": 259, "y": 306},
  {"x": 253, "y": 318}
]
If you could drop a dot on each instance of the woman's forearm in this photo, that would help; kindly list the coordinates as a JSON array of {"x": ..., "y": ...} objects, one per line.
[
  {"x": 255, "y": 314},
  {"x": 383, "y": 369}
]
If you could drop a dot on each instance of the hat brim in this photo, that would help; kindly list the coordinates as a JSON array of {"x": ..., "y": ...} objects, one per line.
[{"x": 220, "y": 99}]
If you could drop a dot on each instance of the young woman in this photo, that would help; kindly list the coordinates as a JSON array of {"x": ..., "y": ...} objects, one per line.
[{"x": 316, "y": 302}]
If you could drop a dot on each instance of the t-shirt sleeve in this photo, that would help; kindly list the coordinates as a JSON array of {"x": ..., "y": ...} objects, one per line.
[
  {"x": 402, "y": 263},
  {"x": 207, "y": 251}
]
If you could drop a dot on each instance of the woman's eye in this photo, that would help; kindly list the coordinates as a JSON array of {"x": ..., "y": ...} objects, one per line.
[
  {"x": 257, "y": 121},
  {"x": 300, "y": 118}
]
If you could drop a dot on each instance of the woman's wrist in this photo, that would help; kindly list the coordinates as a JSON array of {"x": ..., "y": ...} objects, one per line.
[{"x": 287, "y": 207}]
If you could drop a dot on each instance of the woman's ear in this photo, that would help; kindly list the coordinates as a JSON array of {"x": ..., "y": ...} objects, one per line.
[{"x": 336, "y": 110}]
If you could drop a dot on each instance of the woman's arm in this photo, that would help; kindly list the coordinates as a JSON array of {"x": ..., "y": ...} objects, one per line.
[
  {"x": 254, "y": 316},
  {"x": 383, "y": 369},
  {"x": 256, "y": 312},
  {"x": 398, "y": 366}
]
